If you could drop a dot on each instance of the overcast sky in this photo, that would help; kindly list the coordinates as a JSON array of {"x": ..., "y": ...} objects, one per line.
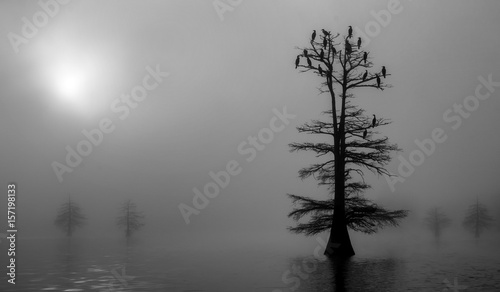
[{"x": 227, "y": 73}]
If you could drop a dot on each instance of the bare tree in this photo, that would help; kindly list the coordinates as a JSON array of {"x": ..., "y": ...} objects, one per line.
[
  {"x": 477, "y": 219},
  {"x": 353, "y": 144},
  {"x": 436, "y": 220},
  {"x": 69, "y": 217},
  {"x": 129, "y": 218}
]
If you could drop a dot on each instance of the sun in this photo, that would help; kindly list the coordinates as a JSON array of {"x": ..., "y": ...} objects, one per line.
[
  {"x": 74, "y": 77},
  {"x": 69, "y": 82},
  {"x": 71, "y": 75}
]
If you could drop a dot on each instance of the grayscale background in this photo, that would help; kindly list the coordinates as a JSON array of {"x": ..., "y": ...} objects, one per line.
[{"x": 230, "y": 67}]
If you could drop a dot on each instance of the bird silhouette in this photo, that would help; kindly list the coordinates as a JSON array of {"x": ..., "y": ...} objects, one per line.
[
  {"x": 325, "y": 42},
  {"x": 364, "y": 75},
  {"x": 326, "y": 33},
  {"x": 384, "y": 71},
  {"x": 350, "y": 32},
  {"x": 334, "y": 51},
  {"x": 365, "y": 132},
  {"x": 313, "y": 36},
  {"x": 305, "y": 53},
  {"x": 297, "y": 61},
  {"x": 359, "y": 43},
  {"x": 378, "y": 81},
  {"x": 320, "y": 70},
  {"x": 365, "y": 56},
  {"x": 321, "y": 54},
  {"x": 309, "y": 62},
  {"x": 374, "y": 121}
]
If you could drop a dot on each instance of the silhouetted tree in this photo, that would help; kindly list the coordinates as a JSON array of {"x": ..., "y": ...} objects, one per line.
[
  {"x": 436, "y": 220},
  {"x": 69, "y": 217},
  {"x": 353, "y": 146},
  {"x": 129, "y": 218},
  {"x": 477, "y": 219},
  {"x": 361, "y": 215}
]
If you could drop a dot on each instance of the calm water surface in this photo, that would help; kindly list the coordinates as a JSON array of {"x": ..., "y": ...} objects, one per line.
[{"x": 115, "y": 265}]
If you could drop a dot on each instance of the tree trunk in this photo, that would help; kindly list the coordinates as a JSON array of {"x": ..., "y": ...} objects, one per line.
[
  {"x": 70, "y": 218},
  {"x": 477, "y": 218},
  {"x": 339, "y": 243},
  {"x": 127, "y": 232}
]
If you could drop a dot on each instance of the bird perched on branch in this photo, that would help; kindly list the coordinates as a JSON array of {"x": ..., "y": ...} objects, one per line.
[
  {"x": 326, "y": 33},
  {"x": 365, "y": 132},
  {"x": 350, "y": 32},
  {"x": 325, "y": 42},
  {"x": 365, "y": 56},
  {"x": 305, "y": 53},
  {"x": 297, "y": 61},
  {"x": 374, "y": 121},
  {"x": 384, "y": 71},
  {"x": 313, "y": 36},
  {"x": 365, "y": 75},
  {"x": 359, "y": 43},
  {"x": 334, "y": 51},
  {"x": 378, "y": 81},
  {"x": 321, "y": 54}
]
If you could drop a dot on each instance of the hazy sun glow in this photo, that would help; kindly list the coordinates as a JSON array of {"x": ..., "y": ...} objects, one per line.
[
  {"x": 71, "y": 78},
  {"x": 76, "y": 77},
  {"x": 70, "y": 83}
]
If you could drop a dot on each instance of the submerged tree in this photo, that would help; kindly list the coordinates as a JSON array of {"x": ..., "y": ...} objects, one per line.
[
  {"x": 477, "y": 219},
  {"x": 130, "y": 219},
  {"x": 436, "y": 220},
  {"x": 69, "y": 217},
  {"x": 353, "y": 145}
]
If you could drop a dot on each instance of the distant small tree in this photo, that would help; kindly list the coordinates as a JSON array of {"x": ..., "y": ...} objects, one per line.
[
  {"x": 477, "y": 219},
  {"x": 436, "y": 220},
  {"x": 69, "y": 217},
  {"x": 498, "y": 225},
  {"x": 129, "y": 218}
]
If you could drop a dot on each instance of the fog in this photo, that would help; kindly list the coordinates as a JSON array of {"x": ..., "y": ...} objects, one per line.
[{"x": 225, "y": 75}]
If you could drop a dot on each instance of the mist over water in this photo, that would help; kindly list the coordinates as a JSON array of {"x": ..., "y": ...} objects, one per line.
[{"x": 390, "y": 261}]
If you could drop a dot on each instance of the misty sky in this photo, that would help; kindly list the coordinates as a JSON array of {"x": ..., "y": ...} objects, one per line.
[{"x": 226, "y": 77}]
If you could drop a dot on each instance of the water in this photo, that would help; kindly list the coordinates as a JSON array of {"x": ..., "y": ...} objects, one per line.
[{"x": 114, "y": 265}]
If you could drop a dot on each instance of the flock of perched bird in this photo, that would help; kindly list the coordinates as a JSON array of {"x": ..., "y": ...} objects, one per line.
[{"x": 348, "y": 51}]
